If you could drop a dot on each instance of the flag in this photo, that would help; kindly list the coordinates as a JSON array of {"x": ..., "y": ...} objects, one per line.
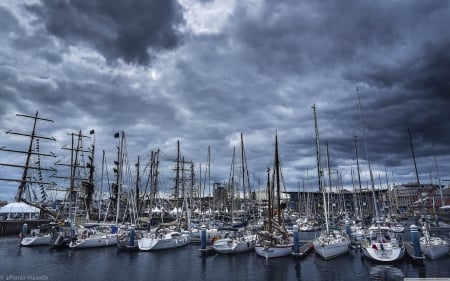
[
  {"x": 91, "y": 132},
  {"x": 116, "y": 135}
]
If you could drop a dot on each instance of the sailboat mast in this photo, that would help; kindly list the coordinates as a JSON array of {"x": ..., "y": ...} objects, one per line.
[
  {"x": 137, "y": 184},
  {"x": 439, "y": 180},
  {"x": 33, "y": 135},
  {"x": 367, "y": 155},
  {"x": 73, "y": 194},
  {"x": 277, "y": 167},
  {"x": 100, "y": 199},
  {"x": 231, "y": 184},
  {"x": 119, "y": 183},
  {"x": 419, "y": 187},
  {"x": 245, "y": 178},
  {"x": 90, "y": 184},
  {"x": 359, "y": 175},
  {"x": 319, "y": 169},
  {"x": 209, "y": 183},
  {"x": 269, "y": 201},
  {"x": 243, "y": 168},
  {"x": 177, "y": 176},
  {"x": 329, "y": 180}
]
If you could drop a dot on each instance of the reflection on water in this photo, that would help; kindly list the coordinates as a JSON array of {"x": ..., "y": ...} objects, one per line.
[
  {"x": 298, "y": 270},
  {"x": 188, "y": 264},
  {"x": 386, "y": 272}
]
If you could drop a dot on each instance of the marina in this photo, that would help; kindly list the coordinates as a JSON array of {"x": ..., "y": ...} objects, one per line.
[
  {"x": 224, "y": 140},
  {"x": 187, "y": 263},
  {"x": 134, "y": 232}
]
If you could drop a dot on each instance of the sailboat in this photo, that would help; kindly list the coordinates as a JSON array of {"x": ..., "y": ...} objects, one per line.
[
  {"x": 79, "y": 193},
  {"x": 28, "y": 208},
  {"x": 163, "y": 239},
  {"x": 329, "y": 244},
  {"x": 432, "y": 247},
  {"x": 93, "y": 235},
  {"x": 237, "y": 241},
  {"x": 127, "y": 236},
  {"x": 381, "y": 244},
  {"x": 274, "y": 240},
  {"x": 40, "y": 236},
  {"x": 169, "y": 235}
]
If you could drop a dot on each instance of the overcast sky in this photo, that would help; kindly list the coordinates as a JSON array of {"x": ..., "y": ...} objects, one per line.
[{"x": 203, "y": 72}]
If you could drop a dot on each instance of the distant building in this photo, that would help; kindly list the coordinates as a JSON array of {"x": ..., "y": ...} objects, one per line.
[{"x": 220, "y": 196}]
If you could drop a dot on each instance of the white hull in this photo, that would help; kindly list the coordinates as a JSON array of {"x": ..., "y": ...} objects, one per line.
[
  {"x": 268, "y": 251},
  {"x": 434, "y": 248},
  {"x": 383, "y": 252},
  {"x": 233, "y": 246},
  {"x": 36, "y": 240},
  {"x": 328, "y": 251},
  {"x": 382, "y": 245},
  {"x": 398, "y": 228},
  {"x": 331, "y": 245},
  {"x": 168, "y": 241},
  {"x": 94, "y": 242}
]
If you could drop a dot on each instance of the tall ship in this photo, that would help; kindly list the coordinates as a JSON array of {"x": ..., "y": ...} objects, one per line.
[{"x": 30, "y": 200}]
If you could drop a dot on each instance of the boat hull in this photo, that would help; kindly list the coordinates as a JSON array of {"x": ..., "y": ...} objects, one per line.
[
  {"x": 330, "y": 251},
  {"x": 434, "y": 251},
  {"x": 383, "y": 253},
  {"x": 273, "y": 251},
  {"x": 155, "y": 244},
  {"x": 36, "y": 240},
  {"x": 94, "y": 242},
  {"x": 233, "y": 246}
]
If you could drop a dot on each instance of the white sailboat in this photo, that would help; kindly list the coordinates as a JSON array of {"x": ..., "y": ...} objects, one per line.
[
  {"x": 329, "y": 244},
  {"x": 431, "y": 246},
  {"x": 36, "y": 238},
  {"x": 235, "y": 242},
  {"x": 382, "y": 245},
  {"x": 164, "y": 240},
  {"x": 169, "y": 235},
  {"x": 274, "y": 241},
  {"x": 104, "y": 235},
  {"x": 94, "y": 237}
]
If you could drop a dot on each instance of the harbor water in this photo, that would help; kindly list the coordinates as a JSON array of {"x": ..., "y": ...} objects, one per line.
[{"x": 187, "y": 263}]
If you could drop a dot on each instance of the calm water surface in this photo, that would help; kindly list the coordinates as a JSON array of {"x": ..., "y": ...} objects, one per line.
[{"x": 42, "y": 263}]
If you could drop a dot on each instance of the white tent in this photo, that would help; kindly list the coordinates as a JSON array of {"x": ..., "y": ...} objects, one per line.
[
  {"x": 176, "y": 211},
  {"x": 156, "y": 211},
  {"x": 19, "y": 210}
]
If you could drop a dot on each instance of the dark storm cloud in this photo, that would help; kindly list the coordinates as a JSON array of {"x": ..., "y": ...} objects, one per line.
[
  {"x": 257, "y": 73},
  {"x": 134, "y": 31},
  {"x": 396, "y": 53},
  {"x": 7, "y": 20}
]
